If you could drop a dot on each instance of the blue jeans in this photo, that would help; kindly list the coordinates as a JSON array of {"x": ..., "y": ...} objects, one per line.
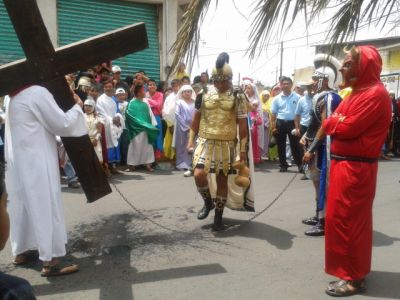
[
  {"x": 15, "y": 288},
  {"x": 70, "y": 172}
]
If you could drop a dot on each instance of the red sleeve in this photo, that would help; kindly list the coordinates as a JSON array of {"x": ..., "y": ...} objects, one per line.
[{"x": 359, "y": 118}]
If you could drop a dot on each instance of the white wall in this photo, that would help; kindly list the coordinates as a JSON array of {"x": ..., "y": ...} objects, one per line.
[
  {"x": 48, "y": 9},
  {"x": 169, "y": 29}
]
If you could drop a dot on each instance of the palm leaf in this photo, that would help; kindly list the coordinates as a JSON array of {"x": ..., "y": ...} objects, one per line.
[
  {"x": 186, "y": 46},
  {"x": 271, "y": 17}
]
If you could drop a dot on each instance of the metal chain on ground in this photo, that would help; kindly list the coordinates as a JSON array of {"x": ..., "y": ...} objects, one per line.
[
  {"x": 265, "y": 208},
  {"x": 140, "y": 212}
]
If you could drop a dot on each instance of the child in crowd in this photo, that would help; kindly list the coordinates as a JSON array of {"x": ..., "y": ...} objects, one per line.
[
  {"x": 121, "y": 96},
  {"x": 94, "y": 126}
]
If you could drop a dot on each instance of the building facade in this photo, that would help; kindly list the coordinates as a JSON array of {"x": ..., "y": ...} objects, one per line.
[
  {"x": 389, "y": 48},
  {"x": 69, "y": 21}
]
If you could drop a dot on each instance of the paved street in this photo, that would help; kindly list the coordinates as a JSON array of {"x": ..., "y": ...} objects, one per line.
[{"x": 124, "y": 256}]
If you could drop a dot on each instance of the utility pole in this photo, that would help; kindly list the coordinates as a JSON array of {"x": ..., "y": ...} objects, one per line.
[{"x": 281, "y": 63}]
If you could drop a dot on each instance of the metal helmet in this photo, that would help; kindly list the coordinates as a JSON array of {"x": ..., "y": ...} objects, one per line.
[
  {"x": 327, "y": 67},
  {"x": 222, "y": 70}
]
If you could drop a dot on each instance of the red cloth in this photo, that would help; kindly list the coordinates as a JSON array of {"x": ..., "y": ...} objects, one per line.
[
  {"x": 255, "y": 121},
  {"x": 156, "y": 102},
  {"x": 348, "y": 226}
]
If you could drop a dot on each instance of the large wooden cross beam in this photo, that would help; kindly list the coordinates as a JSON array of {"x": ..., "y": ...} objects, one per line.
[{"x": 47, "y": 66}]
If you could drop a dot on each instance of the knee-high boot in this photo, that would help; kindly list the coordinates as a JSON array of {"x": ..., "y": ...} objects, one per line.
[
  {"x": 219, "y": 210},
  {"x": 208, "y": 203}
]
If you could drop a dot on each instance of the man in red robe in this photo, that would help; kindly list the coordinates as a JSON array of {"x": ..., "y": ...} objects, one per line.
[{"x": 358, "y": 129}]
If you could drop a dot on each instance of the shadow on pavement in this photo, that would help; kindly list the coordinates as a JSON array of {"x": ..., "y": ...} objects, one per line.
[
  {"x": 383, "y": 285},
  {"x": 105, "y": 250},
  {"x": 277, "y": 237},
  {"x": 66, "y": 189},
  {"x": 117, "y": 178},
  {"x": 382, "y": 240}
]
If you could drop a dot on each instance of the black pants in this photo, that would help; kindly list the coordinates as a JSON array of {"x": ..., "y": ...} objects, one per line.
[
  {"x": 14, "y": 288},
  {"x": 284, "y": 129}
]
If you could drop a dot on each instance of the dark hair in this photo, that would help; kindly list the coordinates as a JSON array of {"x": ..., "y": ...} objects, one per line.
[
  {"x": 196, "y": 79},
  {"x": 174, "y": 81},
  {"x": 285, "y": 78},
  {"x": 107, "y": 82},
  {"x": 152, "y": 80},
  {"x": 95, "y": 87},
  {"x": 129, "y": 80},
  {"x": 137, "y": 88},
  {"x": 103, "y": 69},
  {"x": 204, "y": 73},
  {"x": 185, "y": 77}
]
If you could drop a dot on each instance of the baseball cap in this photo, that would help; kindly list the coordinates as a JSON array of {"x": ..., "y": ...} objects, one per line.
[
  {"x": 116, "y": 69},
  {"x": 120, "y": 91}
]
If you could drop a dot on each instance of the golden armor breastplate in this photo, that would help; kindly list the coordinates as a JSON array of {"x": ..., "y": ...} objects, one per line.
[{"x": 218, "y": 117}]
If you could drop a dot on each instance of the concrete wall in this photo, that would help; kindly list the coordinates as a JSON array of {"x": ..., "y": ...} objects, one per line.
[
  {"x": 48, "y": 9},
  {"x": 169, "y": 22}
]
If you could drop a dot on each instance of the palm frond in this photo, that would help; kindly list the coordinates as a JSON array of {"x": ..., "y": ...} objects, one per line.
[
  {"x": 185, "y": 47},
  {"x": 271, "y": 17}
]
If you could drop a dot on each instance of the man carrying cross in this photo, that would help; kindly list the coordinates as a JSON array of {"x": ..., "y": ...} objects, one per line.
[
  {"x": 32, "y": 176},
  {"x": 34, "y": 118}
]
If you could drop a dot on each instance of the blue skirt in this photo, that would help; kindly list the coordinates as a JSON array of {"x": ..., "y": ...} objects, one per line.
[{"x": 114, "y": 155}]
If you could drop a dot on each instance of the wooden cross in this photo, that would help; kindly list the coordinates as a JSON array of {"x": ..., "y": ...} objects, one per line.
[{"x": 47, "y": 66}]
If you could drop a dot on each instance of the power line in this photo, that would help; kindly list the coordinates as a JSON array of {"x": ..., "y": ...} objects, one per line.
[{"x": 366, "y": 23}]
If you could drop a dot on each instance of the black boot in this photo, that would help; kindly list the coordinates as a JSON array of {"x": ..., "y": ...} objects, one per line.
[
  {"x": 208, "y": 206},
  {"x": 310, "y": 221},
  {"x": 317, "y": 230},
  {"x": 218, "y": 226}
]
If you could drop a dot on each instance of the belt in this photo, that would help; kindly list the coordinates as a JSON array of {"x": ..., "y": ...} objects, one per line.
[
  {"x": 285, "y": 121},
  {"x": 354, "y": 158}
]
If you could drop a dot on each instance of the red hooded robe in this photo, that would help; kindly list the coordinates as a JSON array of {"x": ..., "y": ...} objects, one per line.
[{"x": 367, "y": 112}]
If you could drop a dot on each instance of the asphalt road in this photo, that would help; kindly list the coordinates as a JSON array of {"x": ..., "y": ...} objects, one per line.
[{"x": 125, "y": 255}]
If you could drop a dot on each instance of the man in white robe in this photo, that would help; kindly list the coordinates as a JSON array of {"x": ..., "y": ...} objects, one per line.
[
  {"x": 113, "y": 122},
  {"x": 32, "y": 176}
]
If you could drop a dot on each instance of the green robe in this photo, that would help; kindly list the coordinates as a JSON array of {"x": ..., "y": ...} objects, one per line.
[{"x": 138, "y": 119}]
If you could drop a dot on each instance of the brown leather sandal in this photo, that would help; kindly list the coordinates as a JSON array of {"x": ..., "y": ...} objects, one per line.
[
  {"x": 345, "y": 288},
  {"x": 59, "y": 269},
  {"x": 26, "y": 258}
]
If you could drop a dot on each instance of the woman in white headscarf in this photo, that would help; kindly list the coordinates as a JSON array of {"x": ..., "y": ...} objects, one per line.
[{"x": 183, "y": 116}]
